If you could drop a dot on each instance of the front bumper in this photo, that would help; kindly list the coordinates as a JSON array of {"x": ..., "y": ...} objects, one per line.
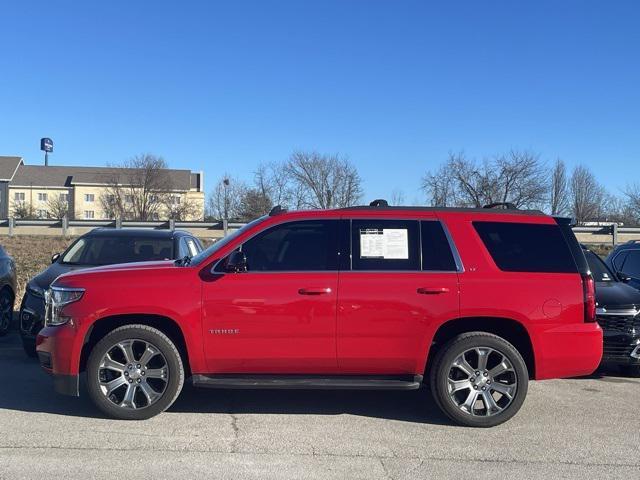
[
  {"x": 55, "y": 347},
  {"x": 621, "y": 349},
  {"x": 31, "y": 316}
]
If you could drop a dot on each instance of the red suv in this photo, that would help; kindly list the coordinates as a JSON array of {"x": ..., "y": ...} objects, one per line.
[{"x": 474, "y": 301}]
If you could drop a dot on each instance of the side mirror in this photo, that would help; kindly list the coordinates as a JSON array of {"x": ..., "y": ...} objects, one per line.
[
  {"x": 236, "y": 262},
  {"x": 55, "y": 257},
  {"x": 623, "y": 277}
]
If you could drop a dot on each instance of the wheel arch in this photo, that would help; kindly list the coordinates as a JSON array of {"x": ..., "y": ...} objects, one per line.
[
  {"x": 165, "y": 324},
  {"x": 511, "y": 330}
]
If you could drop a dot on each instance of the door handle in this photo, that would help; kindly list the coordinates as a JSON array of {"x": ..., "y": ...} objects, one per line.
[
  {"x": 432, "y": 290},
  {"x": 314, "y": 291}
]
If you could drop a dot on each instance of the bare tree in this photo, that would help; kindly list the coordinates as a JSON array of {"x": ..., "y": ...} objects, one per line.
[
  {"x": 23, "y": 210},
  {"x": 180, "y": 208},
  {"x": 516, "y": 177},
  {"x": 440, "y": 187},
  {"x": 397, "y": 197},
  {"x": 587, "y": 195},
  {"x": 253, "y": 204},
  {"x": 138, "y": 188},
  {"x": 323, "y": 181},
  {"x": 559, "y": 198},
  {"x": 58, "y": 206},
  {"x": 224, "y": 200}
]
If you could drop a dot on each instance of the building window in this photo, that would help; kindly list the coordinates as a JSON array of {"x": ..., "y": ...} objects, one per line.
[
  {"x": 64, "y": 197},
  {"x": 18, "y": 196},
  {"x": 128, "y": 198},
  {"x": 153, "y": 199},
  {"x": 89, "y": 197},
  {"x": 175, "y": 200},
  {"x": 43, "y": 197},
  {"x": 42, "y": 213},
  {"x": 89, "y": 214}
]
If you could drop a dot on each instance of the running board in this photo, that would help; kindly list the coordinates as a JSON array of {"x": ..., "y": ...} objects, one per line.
[{"x": 315, "y": 382}]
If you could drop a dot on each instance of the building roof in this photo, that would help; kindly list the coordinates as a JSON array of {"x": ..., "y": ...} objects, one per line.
[
  {"x": 8, "y": 166},
  {"x": 66, "y": 176}
]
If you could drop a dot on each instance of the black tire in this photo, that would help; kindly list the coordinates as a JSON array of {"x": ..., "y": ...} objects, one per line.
[
  {"x": 443, "y": 368},
  {"x": 29, "y": 347},
  {"x": 6, "y": 311},
  {"x": 631, "y": 371},
  {"x": 136, "y": 333}
]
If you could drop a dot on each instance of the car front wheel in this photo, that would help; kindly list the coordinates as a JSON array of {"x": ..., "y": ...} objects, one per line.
[
  {"x": 6, "y": 311},
  {"x": 479, "y": 380},
  {"x": 135, "y": 372}
]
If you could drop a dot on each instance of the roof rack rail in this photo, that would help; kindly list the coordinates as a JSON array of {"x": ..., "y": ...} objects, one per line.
[
  {"x": 277, "y": 210},
  {"x": 507, "y": 205},
  {"x": 379, "y": 202}
]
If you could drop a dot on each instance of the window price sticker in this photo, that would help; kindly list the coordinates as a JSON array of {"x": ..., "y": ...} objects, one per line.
[{"x": 385, "y": 243}]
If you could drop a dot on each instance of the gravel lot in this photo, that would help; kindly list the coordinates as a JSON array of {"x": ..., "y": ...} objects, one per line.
[{"x": 581, "y": 428}]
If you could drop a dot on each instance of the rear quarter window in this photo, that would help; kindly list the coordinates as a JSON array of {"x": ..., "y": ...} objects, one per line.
[{"x": 526, "y": 247}]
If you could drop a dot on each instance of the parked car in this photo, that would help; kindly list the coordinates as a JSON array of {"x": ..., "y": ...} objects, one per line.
[
  {"x": 618, "y": 313},
  {"x": 7, "y": 290},
  {"x": 625, "y": 261},
  {"x": 477, "y": 301},
  {"x": 101, "y": 246}
]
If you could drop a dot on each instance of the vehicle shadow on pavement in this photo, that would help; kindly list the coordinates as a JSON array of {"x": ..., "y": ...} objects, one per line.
[
  {"x": 409, "y": 406},
  {"x": 25, "y": 387}
]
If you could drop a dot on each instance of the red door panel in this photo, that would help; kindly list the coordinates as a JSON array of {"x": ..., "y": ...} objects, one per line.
[
  {"x": 270, "y": 322},
  {"x": 386, "y": 318}
]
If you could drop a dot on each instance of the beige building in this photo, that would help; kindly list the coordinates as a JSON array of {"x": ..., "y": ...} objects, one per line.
[{"x": 85, "y": 191}]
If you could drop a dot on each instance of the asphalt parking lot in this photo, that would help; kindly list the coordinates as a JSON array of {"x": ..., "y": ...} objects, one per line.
[{"x": 579, "y": 428}]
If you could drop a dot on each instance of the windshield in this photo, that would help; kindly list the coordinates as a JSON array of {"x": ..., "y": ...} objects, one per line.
[
  {"x": 117, "y": 249},
  {"x": 224, "y": 241},
  {"x": 599, "y": 269}
]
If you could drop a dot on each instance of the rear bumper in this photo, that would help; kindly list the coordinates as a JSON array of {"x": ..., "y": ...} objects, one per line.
[
  {"x": 54, "y": 346},
  {"x": 567, "y": 351}
]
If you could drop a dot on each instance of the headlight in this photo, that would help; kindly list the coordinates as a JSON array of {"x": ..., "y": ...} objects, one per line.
[
  {"x": 35, "y": 290},
  {"x": 55, "y": 300}
]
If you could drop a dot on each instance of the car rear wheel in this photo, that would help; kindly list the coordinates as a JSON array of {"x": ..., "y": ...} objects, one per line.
[
  {"x": 6, "y": 311},
  {"x": 134, "y": 373},
  {"x": 479, "y": 380}
]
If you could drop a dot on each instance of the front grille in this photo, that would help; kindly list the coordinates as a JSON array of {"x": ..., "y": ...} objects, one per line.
[
  {"x": 619, "y": 323},
  {"x": 617, "y": 350}
]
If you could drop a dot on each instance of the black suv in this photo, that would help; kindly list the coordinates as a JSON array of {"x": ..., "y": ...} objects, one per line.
[
  {"x": 102, "y": 246},
  {"x": 618, "y": 313},
  {"x": 625, "y": 261}
]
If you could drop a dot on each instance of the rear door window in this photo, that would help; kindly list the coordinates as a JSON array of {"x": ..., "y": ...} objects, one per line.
[
  {"x": 385, "y": 244},
  {"x": 526, "y": 247},
  {"x": 436, "y": 251}
]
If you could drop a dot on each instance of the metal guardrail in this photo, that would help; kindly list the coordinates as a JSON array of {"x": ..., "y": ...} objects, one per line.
[
  {"x": 612, "y": 231},
  {"x": 13, "y": 224}
]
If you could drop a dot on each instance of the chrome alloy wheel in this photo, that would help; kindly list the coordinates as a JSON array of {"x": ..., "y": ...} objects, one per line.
[
  {"x": 133, "y": 374},
  {"x": 482, "y": 382}
]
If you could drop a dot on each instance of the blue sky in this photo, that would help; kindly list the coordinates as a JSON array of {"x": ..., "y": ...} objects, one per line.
[{"x": 393, "y": 85}]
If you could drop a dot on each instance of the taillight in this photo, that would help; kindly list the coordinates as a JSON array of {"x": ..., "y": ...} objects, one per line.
[{"x": 589, "y": 294}]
